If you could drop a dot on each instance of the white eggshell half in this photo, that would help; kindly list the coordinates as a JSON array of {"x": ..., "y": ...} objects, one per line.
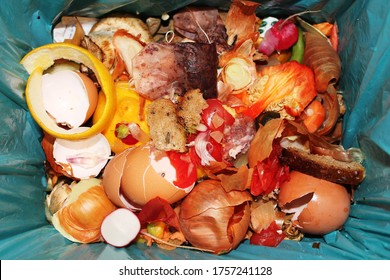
[
  {"x": 83, "y": 158},
  {"x": 66, "y": 97}
]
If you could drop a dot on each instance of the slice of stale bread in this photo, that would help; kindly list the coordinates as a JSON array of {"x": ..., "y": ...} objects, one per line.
[
  {"x": 323, "y": 167},
  {"x": 166, "y": 131}
]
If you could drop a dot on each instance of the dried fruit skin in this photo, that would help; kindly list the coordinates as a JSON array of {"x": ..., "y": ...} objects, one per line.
[{"x": 323, "y": 59}]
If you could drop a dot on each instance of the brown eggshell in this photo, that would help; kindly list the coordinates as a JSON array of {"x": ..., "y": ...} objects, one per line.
[
  {"x": 92, "y": 93},
  {"x": 47, "y": 145},
  {"x": 141, "y": 182},
  {"x": 112, "y": 177},
  {"x": 327, "y": 207},
  {"x": 130, "y": 180}
]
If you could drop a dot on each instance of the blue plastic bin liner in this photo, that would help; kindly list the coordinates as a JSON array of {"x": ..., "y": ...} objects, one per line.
[{"x": 364, "y": 49}]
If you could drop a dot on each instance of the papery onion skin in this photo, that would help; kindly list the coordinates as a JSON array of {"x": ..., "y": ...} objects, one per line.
[
  {"x": 213, "y": 219},
  {"x": 82, "y": 219},
  {"x": 323, "y": 59}
]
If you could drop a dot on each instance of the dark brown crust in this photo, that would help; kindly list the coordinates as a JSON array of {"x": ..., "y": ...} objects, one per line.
[{"x": 323, "y": 167}]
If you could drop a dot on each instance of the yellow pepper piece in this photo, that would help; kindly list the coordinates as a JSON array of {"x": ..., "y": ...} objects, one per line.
[{"x": 127, "y": 111}]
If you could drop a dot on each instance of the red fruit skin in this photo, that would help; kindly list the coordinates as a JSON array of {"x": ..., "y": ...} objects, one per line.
[
  {"x": 281, "y": 36},
  {"x": 271, "y": 39},
  {"x": 288, "y": 34}
]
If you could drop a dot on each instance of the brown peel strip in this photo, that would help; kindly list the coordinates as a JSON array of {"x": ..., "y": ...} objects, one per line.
[
  {"x": 261, "y": 145},
  {"x": 323, "y": 60},
  {"x": 332, "y": 108}
]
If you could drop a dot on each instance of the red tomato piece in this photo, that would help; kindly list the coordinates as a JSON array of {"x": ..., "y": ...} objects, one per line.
[
  {"x": 268, "y": 237},
  {"x": 186, "y": 173},
  {"x": 216, "y": 108},
  {"x": 268, "y": 175},
  {"x": 123, "y": 133}
]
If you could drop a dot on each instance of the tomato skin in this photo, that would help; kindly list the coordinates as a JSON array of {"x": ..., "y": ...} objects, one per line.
[
  {"x": 314, "y": 116},
  {"x": 268, "y": 175},
  {"x": 186, "y": 173},
  {"x": 215, "y": 106},
  {"x": 216, "y": 118},
  {"x": 268, "y": 237}
]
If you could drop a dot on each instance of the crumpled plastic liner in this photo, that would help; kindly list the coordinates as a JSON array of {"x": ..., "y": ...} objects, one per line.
[{"x": 364, "y": 39}]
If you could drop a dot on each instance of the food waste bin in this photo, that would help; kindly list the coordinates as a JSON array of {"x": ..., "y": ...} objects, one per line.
[{"x": 364, "y": 28}]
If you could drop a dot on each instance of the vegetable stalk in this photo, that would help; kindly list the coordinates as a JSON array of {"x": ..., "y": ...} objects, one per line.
[{"x": 298, "y": 48}]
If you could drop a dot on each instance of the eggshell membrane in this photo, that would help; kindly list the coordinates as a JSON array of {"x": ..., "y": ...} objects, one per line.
[
  {"x": 130, "y": 176},
  {"x": 328, "y": 208}
]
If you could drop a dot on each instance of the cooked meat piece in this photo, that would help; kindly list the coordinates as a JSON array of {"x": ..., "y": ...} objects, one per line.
[
  {"x": 202, "y": 25},
  {"x": 168, "y": 69},
  {"x": 238, "y": 137}
]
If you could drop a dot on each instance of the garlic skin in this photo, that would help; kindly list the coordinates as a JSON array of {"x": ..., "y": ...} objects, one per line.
[{"x": 56, "y": 199}]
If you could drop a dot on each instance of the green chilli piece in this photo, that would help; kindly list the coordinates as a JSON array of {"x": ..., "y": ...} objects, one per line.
[{"x": 298, "y": 48}]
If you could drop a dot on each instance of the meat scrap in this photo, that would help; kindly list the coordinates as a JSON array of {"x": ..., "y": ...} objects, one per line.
[
  {"x": 164, "y": 69},
  {"x": 202, "y": 25}
]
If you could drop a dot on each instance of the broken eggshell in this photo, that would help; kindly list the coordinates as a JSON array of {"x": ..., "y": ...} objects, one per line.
[
  {"x": 319, "y": 206},
  {"x": 139, "y": 174},
  {"x": 69, "y": 97},
  {"x": 82, "y": 159}
]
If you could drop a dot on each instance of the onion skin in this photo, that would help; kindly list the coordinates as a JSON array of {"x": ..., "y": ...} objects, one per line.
[
  {"x": 213, "y": 219},
  {"x": 325, "y": 62},
  {"x": 82, "y": 219}
]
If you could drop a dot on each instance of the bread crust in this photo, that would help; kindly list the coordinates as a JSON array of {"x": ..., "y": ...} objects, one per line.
[{"x": 323, "y": 167}]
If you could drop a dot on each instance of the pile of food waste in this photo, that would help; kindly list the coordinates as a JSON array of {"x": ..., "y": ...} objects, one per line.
[{"x": 199, "y": 129}]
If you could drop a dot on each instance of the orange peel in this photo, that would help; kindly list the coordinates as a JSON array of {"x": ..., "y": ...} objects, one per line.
[{"x": 40, "y": 59}]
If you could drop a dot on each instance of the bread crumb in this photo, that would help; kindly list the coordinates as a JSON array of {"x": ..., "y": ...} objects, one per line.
[
  {"x": 166, "y": 131},
  {"x": 190, "y": 109}
]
